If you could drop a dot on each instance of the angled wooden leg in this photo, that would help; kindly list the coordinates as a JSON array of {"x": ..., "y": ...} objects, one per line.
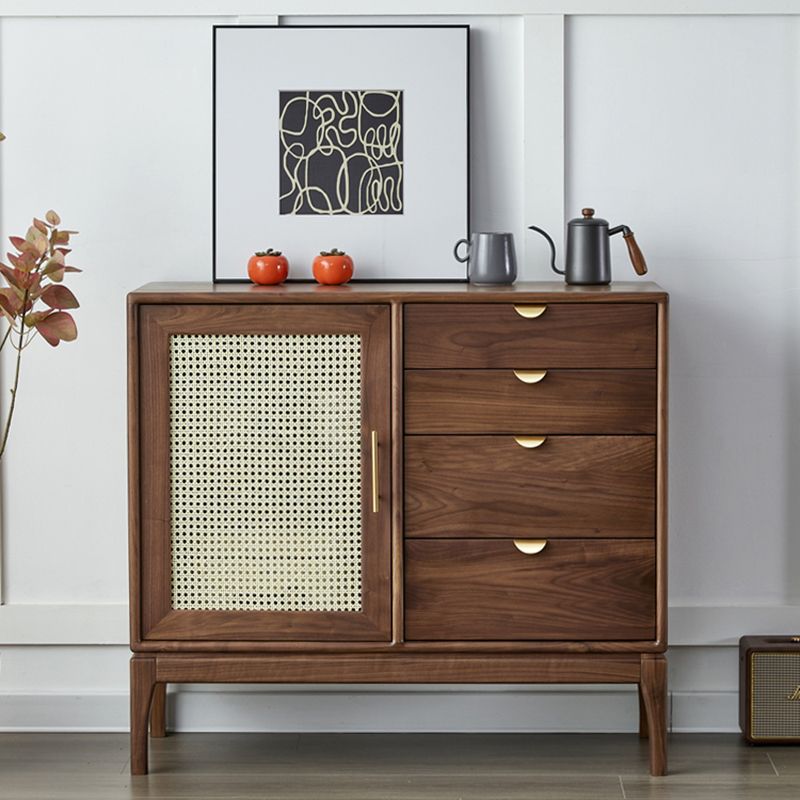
[
  {"x": 158, "y": 712},
  {"x": 642, "y": 715},
  {"x": 143, "y": 681},
  {"x": 653, "y": 686}
]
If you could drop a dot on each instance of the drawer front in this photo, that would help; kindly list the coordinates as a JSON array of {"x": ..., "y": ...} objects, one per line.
[
  {"x": 573, "y": 590},
  {"x": 567, "y": 486},
  {"x": 563, "y": 401},
  {"x": 494, "y": 335}
]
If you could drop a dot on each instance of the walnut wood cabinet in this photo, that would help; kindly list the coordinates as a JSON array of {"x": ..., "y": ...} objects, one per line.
[{"x": 397, "y": 483}]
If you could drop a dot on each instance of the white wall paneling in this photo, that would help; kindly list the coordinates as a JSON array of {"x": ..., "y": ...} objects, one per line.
[
  {"x": 214, "y": 8},
  {"x": 543, "y": 109},
  {"x": 694, "y": 146}
]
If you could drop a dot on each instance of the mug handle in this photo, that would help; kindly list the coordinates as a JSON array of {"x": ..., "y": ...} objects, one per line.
[{"x": 457, "y": 257}]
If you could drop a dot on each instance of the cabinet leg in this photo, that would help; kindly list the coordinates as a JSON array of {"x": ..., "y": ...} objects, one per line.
[
  {"x": 653, "y": 687},
  {"x": 143, "y": 681},
  {"x": 642, "y": 715},
  {"x": 158, "y": 712}
]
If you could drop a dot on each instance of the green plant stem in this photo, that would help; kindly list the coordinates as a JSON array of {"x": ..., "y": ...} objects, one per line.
[{"x": 16, "y": 380}]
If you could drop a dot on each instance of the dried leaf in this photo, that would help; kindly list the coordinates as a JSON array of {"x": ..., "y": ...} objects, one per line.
[
  {"x": 9, "y": 304},
  {"x": 56, "y": 261},
  {"x": 18, "y": 242},
  {"x": 59, "y": 297},
  {"x": 60, "y": 237},
  {"x": 37, "y": 239},
  {"x": 34, "y": 317},
  {"x": 52, "y": 217},
  {"x": 13, "y": 298},
  {"x": 41, "y": 226},
  {"x": 27, "y": 280},
  {"x": 57, "y": 326},
  {"x": 10, "y": 275}
]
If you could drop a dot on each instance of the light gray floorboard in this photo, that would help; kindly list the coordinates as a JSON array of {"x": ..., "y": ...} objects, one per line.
[{"x": 393, "y": 767}]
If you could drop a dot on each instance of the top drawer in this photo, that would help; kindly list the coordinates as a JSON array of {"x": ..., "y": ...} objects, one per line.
[{"x": 496, "y": 335}]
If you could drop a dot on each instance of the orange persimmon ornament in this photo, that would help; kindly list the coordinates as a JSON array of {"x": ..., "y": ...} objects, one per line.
[
  {"x": 268, "y": 267},
  {"x": 332, "y": 267}
]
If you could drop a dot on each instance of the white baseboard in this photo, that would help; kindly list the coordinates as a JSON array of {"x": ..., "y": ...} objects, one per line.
[
  {"x": 64, "y": 667},
  {"x": 374, "y": 710}
]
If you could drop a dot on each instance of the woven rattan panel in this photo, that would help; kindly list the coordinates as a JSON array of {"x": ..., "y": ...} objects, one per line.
[
  {"x": 265, "y": 472},
  {"x": 775, "y": 695}
]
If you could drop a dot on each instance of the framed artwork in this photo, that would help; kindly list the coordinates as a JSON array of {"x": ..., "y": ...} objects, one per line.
[{"x": 354, "y": 137}]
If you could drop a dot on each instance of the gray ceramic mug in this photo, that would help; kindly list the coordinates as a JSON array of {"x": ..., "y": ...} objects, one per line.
[{"x": 490, "y": 257}]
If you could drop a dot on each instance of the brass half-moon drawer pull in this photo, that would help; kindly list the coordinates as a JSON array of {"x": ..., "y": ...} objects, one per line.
[
  {"x": 530, "y": 375},
  {"x": 530, "y": 546},
  {"x": 530, "y": 441},
  {"x": 530, "y": 312}
]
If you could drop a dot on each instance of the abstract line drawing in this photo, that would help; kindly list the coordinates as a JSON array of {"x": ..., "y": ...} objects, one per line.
[{"x": 341, "y": 152}]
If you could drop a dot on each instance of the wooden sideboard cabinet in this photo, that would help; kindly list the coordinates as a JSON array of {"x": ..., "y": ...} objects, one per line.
[{"x": 409, "y": 483}]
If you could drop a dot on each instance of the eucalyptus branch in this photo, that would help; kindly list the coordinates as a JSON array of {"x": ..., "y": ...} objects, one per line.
[
  {"x": 14, "y": 388},
  {"x": 7, "y": 334},
  {"x": 36, "y": 301}
]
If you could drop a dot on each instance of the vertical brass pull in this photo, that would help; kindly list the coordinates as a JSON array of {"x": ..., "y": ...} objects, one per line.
[{"x": 376, "y": 498}]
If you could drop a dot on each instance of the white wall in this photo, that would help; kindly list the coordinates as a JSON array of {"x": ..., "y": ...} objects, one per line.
[{"x": 684, "y": 128}]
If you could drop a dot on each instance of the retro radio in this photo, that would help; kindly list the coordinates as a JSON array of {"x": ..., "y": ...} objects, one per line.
[{"x": 769, "y": 688}]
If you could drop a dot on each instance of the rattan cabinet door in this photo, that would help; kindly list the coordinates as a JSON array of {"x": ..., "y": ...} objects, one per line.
[{"x": 260, "y": 431}]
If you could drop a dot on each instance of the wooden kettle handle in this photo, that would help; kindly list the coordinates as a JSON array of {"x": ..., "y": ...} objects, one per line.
[{"x": 637, "y": 259}]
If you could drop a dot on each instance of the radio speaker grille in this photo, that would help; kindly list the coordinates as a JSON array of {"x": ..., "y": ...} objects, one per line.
[
  {"x": 265, "y": 472},
  {"x": 775, "y": 695}
]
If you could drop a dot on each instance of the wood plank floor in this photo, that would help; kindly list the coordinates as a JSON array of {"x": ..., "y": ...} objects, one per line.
[{"x": 393, "y": 767}]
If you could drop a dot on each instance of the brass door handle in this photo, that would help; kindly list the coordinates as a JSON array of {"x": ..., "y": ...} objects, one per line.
[
  {"x": 530, "y": 441},
  {"x": 530, "y": 312},
  {"x": 376, "y": 498},
  {"x": 530, "y": 375},
  {"x": 530, "y": 546}
]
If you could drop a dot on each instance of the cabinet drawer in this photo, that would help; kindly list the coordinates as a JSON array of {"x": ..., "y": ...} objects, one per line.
[
  {"x": 491, "y": 486},
  {"x": 492, "y": 335},
  {"x": 474, "y": 589},
  {"x": 563, "y": 401}
]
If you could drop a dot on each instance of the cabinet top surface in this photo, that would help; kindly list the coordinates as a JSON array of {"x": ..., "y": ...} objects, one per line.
[{"x": 307, "y": 292}]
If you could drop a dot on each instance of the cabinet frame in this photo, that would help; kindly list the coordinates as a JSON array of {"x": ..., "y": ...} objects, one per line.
[{"x": 338, "y": 659}]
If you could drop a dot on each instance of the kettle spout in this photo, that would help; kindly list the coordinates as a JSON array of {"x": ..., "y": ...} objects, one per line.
[{"x": 552, "y": 249}]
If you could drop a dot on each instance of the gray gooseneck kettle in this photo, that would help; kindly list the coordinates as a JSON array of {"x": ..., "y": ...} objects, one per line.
[{"x": 588, "y": 258}]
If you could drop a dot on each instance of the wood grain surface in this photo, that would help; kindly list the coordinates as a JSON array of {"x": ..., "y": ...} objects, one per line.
[
  {"x": 573, "y": 589},
  {"x": 494, "y": 335},
  {"x": 564, "y": 401},
  {"x": 401, "y": 668},
  {"x": 653, "y": 688},
  {"x": 579, "y": 486},
  {"x": 151, "y": 548},
  {"x": 395, "y": 292}
]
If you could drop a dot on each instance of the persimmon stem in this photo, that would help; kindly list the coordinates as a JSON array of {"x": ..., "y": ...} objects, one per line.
[{"x": 16, "y": 379}]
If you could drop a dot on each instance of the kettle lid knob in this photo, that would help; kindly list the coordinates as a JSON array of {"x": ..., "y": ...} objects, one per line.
[{"x": 588, "y": 213}]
